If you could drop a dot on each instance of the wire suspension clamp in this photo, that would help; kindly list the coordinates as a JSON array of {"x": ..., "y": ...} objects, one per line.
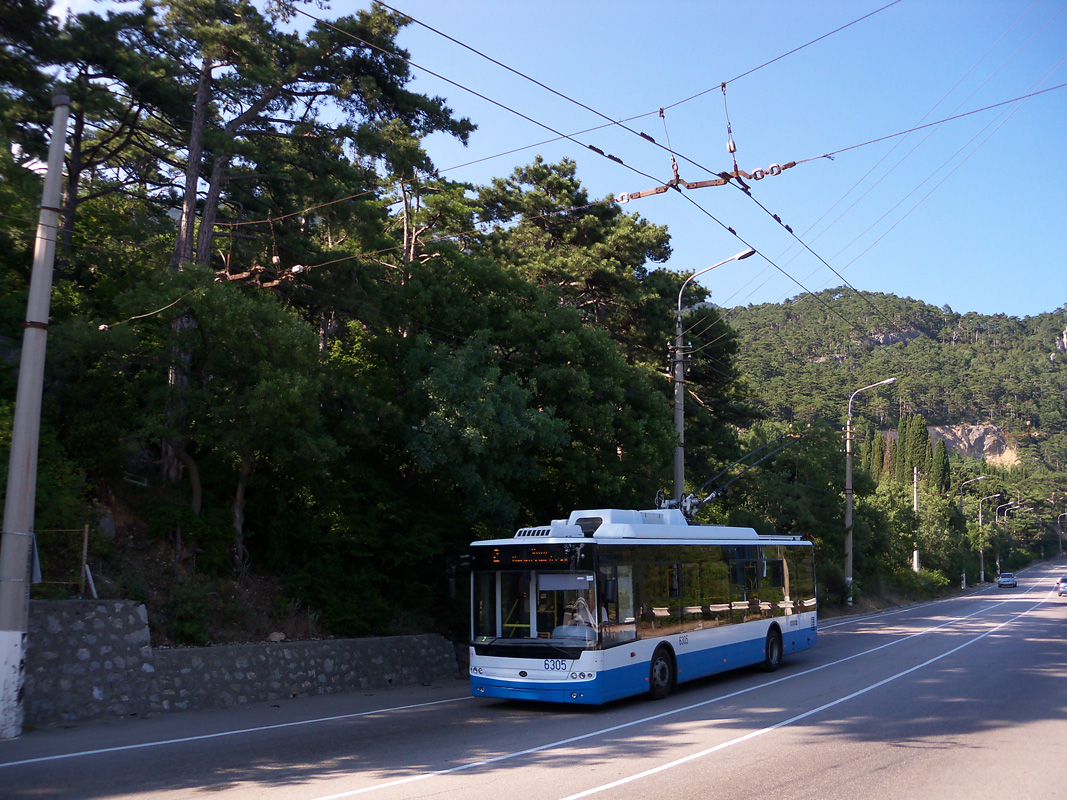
[{"x": 722, "y": 180}]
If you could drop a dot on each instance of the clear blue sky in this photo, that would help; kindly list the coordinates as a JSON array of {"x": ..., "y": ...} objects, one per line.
[{"x": 969, "y": 213}]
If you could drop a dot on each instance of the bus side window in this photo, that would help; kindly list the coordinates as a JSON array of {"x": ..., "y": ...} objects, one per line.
[
  {"x": 744, "y": 589},
  {"x": 618, "y": 602},
  {"x": 801, "y": 578},
  {"x": 772, "y": 583},
  {"x": 692, "y": 607},
  {"x": 659, "y": 609},
  {"x": 715, "y": 588}
]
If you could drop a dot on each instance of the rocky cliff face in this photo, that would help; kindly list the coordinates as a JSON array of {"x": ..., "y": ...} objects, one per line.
[{"x": 976, "y": 441}]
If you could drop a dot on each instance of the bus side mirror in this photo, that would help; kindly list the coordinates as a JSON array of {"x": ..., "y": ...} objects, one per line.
[
  {"x": 451, "y": 566},
  {"x": 611, "y": 590}
]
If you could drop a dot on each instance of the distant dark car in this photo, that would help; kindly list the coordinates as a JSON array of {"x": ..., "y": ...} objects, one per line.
[
  {"x": 1061, "y": 587},
  {"x": 1007, "y": 579}
]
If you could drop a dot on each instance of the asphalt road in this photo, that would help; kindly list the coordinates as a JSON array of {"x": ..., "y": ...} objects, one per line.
[{"x": 958, "y": 698}]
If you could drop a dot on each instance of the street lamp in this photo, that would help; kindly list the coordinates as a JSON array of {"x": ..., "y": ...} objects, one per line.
[
  {"x": 963, "y": 562},
  {"x": 981, "y": 548},
  {"x": 996, "y": 518},
  {"x": 1008, "y": 506},
  {"x": 972, "y": 480},
  {"x": 848, "y": 488},
  {"x": 679, "y": 378}
]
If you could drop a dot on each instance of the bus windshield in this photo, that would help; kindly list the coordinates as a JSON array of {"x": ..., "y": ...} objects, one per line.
[{"x": 531, "y": 605}]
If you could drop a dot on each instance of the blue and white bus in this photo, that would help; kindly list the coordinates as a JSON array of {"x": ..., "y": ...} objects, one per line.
[{"x": 611, "y": 603}]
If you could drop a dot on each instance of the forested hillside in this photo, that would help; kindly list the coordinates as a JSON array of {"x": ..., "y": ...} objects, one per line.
[
  {"x": 808, "y": 354},
  {"x": 803, "y": 359},
  {"x": 292, "y": 371}
]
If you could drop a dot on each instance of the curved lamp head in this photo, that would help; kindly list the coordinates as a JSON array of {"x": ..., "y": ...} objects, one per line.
[{"x": 735, "y": 257}]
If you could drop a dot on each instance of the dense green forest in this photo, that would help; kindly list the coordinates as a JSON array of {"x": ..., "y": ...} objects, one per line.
[
  {"x": 991, "y": 374},
  {"x": 290, "y": 364}
]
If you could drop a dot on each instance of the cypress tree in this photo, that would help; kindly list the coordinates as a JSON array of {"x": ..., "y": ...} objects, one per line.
[
  {"x": 901, "y": 462},
  {"x": 939, "y": 471},
  {"x": 878, "y": 456},
  {"x": 919, "y": 444}
]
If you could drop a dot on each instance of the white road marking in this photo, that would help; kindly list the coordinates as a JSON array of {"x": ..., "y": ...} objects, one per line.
[
  {"x": 504, "y": 756},
  {"x": 221, "y": 734},
  {"x": 694, "y": 756},
  {"x": 662, "y": 715}
]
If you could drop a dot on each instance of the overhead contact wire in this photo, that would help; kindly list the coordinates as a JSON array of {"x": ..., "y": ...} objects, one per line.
[
  {"x": 479, "y": 95},
  {"x": 785, "y": 55},
  {"x": 591, "y": 110}
]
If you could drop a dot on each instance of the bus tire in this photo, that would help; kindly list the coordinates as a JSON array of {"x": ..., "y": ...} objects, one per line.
[
  {"x": 772, "y": 650},
  {"x": 661, "y": 673}
]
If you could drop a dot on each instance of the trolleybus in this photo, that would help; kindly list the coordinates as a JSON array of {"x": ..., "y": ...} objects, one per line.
[{"x": 610, "y": 603}]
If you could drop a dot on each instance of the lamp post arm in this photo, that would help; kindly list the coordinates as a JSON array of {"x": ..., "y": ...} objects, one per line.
[
  {"x": 865, "y": 388},
  {"x": 736, "y": 257}
]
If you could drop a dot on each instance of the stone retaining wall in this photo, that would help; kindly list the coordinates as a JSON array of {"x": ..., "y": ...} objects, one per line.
[{"x": 88, "y": 659}]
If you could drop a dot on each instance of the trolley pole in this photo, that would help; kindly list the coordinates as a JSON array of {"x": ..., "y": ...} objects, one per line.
[{"x": 17, "y": 544}]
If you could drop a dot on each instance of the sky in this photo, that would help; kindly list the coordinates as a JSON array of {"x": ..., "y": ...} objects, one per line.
[{"x": 968, "y": 213}]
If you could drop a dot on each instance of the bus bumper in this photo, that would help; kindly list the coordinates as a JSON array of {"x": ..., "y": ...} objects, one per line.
[{"x": 583, "y": 693}]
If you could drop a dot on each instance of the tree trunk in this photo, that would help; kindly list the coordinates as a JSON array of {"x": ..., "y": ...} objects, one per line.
[
  {"x": 210, "y": 210},
  {"x": 240, "y": 552},
  {"x": 183, "y": 244},
  {"x": 172, "y": 460},
  {"x": 70, "y": 193},
  {"x": 196, "y": 490},
  {"x": 327, "y": 328}
]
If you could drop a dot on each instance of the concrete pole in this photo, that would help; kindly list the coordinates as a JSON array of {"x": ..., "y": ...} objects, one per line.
[
  {"x": 848, "y": 488},
  {"x": 679, "y": 411},
  {"x": 963, "y": 538},
  {"x": 981, "y": 541},
  {"x": 981, "y": 550},
  {"x": 848, "y": 507},
  {"x": 16, "y": 546},
  {"x": 915, "y": 508},
  {"x": 679, "y": 378}
]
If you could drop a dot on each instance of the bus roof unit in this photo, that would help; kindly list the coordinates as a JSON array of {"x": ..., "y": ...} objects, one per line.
[{"x": 616, "y": 523}]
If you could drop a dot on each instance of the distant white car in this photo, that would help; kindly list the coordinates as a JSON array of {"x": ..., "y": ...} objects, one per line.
[
  {"x": 1061, "y": 586},
  {"x": 1007, "y": 579}
]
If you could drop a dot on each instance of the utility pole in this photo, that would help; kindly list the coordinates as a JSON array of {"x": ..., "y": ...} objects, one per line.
[
  {"x": 963, "y": 536},
  {"x": 17, "y": 544},
  {"x": 981, "y": 540},
  {"x": 679, "y": 378},
  {"x": 848, "y": 489},
  {"x": 915, "y": 508}
]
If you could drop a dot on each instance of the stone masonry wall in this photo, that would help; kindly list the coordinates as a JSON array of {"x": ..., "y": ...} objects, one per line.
[{"x": 89, "y": 659}]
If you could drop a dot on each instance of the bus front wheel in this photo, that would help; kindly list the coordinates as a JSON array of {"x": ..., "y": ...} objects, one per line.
[
  {"x": 772, "y": 650},
  {"x": 661, "y": 673}
]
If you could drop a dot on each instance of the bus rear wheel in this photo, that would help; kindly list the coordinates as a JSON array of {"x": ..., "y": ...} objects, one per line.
[
  {"x": 661, "y": 673},
  {"x": 772, "y": 650}
]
